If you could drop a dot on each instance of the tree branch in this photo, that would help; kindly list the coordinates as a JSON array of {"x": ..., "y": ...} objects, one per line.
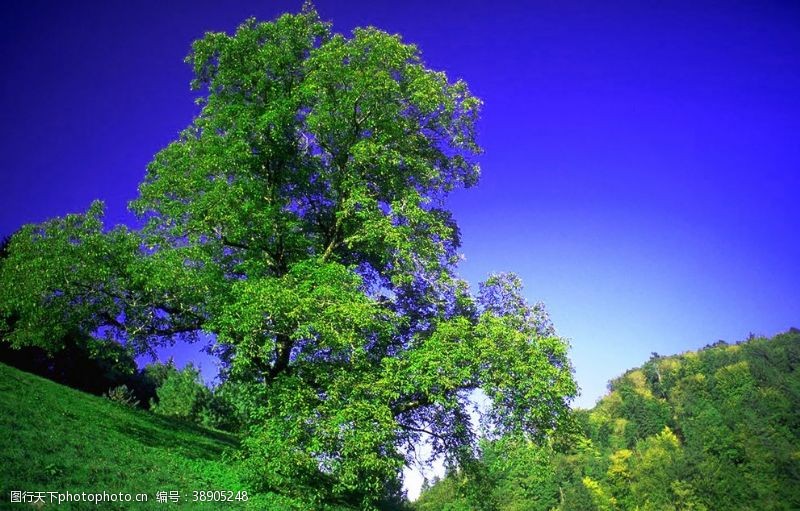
[{"x": 422, "y": 430}]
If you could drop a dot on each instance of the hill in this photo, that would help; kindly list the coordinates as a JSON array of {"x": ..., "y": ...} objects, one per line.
[
  {"x": 57, "y": 439},
  {"x": 717, "y": 429}
]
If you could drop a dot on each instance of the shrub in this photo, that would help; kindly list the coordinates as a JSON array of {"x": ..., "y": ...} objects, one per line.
[{"x": 123, "y": 395}]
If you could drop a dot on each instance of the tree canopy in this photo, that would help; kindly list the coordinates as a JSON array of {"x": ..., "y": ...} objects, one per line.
[{"x": 301, "y": 221}]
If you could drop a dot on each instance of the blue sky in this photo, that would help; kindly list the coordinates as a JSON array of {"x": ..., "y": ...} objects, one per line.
[{"x": 641, "y": 166}]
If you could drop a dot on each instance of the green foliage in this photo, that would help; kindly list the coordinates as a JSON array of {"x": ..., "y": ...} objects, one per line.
[
  {"x": 300, "y": 220},
  {"x": 525, "y": 478},
  {"x": 53, "y": 267},
  {"x": 182, "y": 394},
  {"x": 72, "y": 278},
  {"x": 602, "y": 499},
  {"x": 443, "y": 495},
  {"x": 713, "y": 429}
]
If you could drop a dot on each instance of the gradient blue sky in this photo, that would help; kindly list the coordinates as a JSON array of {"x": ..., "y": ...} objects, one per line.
[{"x": 642, "y": 159}]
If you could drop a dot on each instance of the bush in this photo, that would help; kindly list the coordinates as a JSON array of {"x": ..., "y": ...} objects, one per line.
[{"x": 123, "y": 395}]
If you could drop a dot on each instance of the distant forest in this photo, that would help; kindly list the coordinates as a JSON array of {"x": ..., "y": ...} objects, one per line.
[{"x": 718, "y": 428}]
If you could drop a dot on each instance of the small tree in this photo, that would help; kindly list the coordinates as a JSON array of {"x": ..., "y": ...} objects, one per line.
[{"x": 182, "y": 394}]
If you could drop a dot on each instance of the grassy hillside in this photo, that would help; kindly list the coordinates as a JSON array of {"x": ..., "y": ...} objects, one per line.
[
  {"x": 714, "y": 429},
  {"x": 53, "y": 438}
]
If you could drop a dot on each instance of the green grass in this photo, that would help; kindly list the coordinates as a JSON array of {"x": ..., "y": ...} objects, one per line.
[{"x": 53, "y": 438}]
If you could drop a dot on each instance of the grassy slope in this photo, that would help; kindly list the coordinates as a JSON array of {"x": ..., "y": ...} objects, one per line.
[{"x": 53, "y": 438}]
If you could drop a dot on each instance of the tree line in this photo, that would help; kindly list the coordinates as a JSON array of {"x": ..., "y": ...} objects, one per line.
[{"x": 715, "y": 429}]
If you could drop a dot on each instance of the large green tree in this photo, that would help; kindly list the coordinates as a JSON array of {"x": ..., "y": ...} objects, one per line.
[{"x": 301, "y": 220}]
